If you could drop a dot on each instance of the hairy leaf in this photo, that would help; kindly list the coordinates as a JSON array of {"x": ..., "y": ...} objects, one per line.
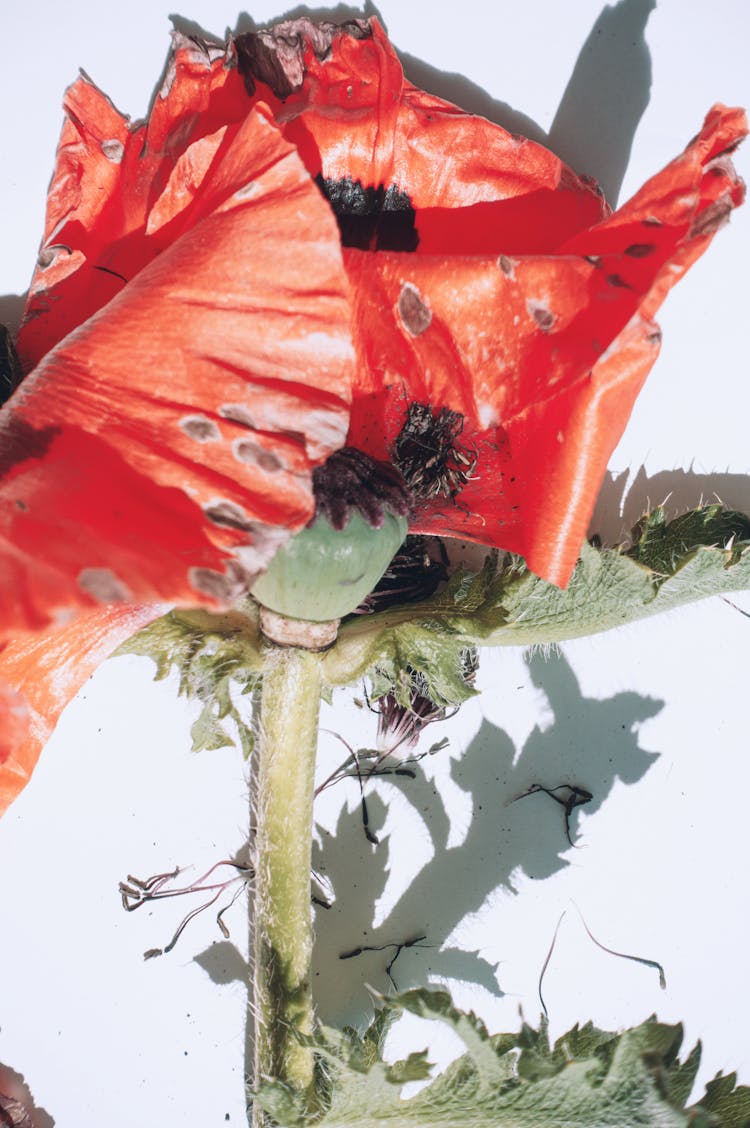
[
  {"x": 210, "y": 653},
  {"x": 701, "y": 553},
  {"x": 587, "y": 1079}
]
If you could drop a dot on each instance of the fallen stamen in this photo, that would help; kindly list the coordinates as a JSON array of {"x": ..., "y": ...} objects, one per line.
[{"x": 138, "y": 892}]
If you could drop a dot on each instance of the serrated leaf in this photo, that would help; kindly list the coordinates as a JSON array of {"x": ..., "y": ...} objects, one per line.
[
  {"x": 206, "y": 732},
  {"x": 703, "y": 552},
  {"x": 728, "y": 1104},
  {"x": 211, "y": 654},
  {"x": 588, "y": 1079},
  {"x": 663, "y": 546}
]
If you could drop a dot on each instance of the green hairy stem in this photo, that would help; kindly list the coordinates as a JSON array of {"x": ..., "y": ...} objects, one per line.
[{"x": 283, "y": 808}]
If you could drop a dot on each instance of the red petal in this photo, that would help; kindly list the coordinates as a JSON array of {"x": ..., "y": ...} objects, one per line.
[
  {"x": 46, "y": 674},
  {"x": 476, "y": 188},
  {"x": 107, "y": 177},
  {"x": 543, "y": 355},
  {"x": 183, "y": 420}
]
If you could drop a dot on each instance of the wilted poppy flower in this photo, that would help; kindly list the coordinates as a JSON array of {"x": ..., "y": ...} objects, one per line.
[{"x": 299, "y": 251}]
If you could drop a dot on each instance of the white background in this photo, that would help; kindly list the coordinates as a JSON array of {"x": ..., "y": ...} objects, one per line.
[{"x": 651, "y": 719}]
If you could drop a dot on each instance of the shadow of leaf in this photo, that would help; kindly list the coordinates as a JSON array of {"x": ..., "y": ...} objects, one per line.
[{"x": 590, "y": 743}]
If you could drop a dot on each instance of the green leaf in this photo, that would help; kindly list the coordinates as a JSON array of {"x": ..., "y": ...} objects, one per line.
[
  {"x": 211, "y": 654},
  {"x": 588, "y": 1079},
  {"x": 728, "y": 1104},
  {"x": 701, "y": 553},
  {"x": 207, "y": 733},
  {"x": 425, "y": 645}
]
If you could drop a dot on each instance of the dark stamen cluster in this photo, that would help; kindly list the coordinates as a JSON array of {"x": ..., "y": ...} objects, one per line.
[
  {"x": 10, "y": 367},
  {"x": 429, "y": 455},
  {"x": 404, "y": 724},
  {"x": 411, "y": 576},
  {"x": 352, "y": 481}
]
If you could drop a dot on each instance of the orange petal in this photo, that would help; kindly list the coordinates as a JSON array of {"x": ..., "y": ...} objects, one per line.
[
  {"x": 476, "y": 188},
  {"x": 542, "y": 355},
  {"x": 181, "y": 423},
  {"x": 108, "y": 173},
  {"x": 46, "y": 673}
]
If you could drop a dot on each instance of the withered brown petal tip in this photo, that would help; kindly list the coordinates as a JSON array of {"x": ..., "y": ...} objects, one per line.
[{"x": 275, "y": 55}]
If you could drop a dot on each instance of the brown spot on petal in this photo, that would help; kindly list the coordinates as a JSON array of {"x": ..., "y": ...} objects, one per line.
[
  {"x": 228, "y": 515},
  {"x": 711, "y": 218},
  {"x": 414, "y": 313},
  {"x": 253, "y": 454},
  {"x": 226, "y": 587},
  {"x": 238, "y": 413},
  {"x": 618, "y": 281},
  {"x": 544, "y": 317},
  {"x": 654, "y": 337},
  {"x": 113, "y": 150},
  {"x": 201, "y": 429},
  {"x": 507, "y": 266},
  {"x": 651, "y": 221},
  {"x": 47, "y": 255},
  {"x": 103, "y": 585},
  {"x": 640, "y": 250}
]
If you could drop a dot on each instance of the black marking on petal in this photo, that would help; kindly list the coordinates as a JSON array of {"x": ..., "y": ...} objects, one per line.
[
  {"x": 618, "y": 281},
  {"x": 640, "y": 250},
  {"x": 114, "y": 273},
  {"x": 428, "y": 454},
  {"x": 378, "y": 219},
  {"x": 415, "y": 314},
  {"x": 19, "y": 442}
]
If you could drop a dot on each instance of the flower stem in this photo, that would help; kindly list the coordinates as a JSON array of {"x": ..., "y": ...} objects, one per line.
[{"x": 283, "y": 803}]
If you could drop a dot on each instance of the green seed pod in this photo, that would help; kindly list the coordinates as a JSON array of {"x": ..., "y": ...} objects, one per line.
[{"x": 322, "y": 574}]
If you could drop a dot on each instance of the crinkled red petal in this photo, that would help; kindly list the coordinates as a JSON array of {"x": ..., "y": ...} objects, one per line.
[
  {"x": 118, "y": 189},
  {"x": 180, "y": 424},
  {"x": 39, "y": 676},
  {"x": 109, "y": 176},
  {"x": 476, "y": 188},
  {"x": 543, "y": 355}
]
